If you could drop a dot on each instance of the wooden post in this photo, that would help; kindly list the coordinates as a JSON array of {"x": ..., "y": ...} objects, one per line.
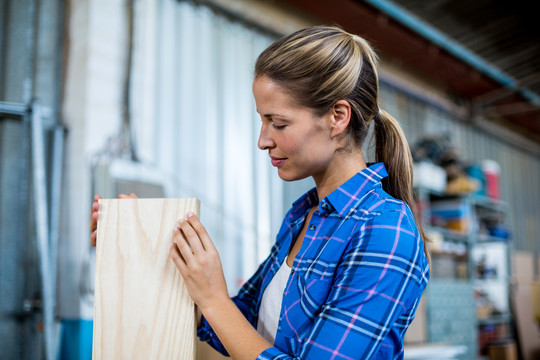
[{"x": 142, "y": 307}]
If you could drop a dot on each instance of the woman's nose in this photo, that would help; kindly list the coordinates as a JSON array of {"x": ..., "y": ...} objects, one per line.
[{"x": 265, "y": 141}]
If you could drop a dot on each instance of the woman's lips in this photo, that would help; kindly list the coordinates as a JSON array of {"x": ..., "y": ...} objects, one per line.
[{"x": 278, "y": 161}]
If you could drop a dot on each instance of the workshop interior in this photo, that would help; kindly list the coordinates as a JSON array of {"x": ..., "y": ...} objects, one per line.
[{"x": 154, "y": 97}]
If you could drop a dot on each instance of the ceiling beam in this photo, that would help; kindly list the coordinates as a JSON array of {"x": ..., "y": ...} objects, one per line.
[{"x": 444, "y": 42}]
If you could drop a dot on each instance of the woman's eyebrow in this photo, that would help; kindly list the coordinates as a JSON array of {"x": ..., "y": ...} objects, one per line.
[
  {"x": 274, "y": 115},
  {"x": 271, "y": 115}
]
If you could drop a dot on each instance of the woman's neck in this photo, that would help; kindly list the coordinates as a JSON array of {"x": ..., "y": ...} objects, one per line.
[{"x": 341, "y": 169}]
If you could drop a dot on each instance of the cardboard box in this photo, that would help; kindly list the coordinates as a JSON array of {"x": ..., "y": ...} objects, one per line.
[
  {"x": 523, "y": 267},
  {"x": 206, "y": 352},
  {"x": 528, "y": 331},
  {"x": 503, "y": 351},
  {"x": 535, "y": 298},
  {"x": 452, "y": 214},
  {"x": 417, "y": 331}
]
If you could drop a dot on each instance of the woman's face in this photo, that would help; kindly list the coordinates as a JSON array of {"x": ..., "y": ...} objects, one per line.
[{"x": 298, "y": 142}]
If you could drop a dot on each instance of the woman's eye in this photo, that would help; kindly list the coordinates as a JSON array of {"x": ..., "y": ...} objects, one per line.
[{"x": 278, "y": 127}]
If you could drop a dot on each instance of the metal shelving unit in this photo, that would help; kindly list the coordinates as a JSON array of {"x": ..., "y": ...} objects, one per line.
[{"x": 467, "y": 245}]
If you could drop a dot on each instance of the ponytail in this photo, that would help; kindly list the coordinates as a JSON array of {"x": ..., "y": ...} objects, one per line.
[{"x": 392, "y": 149}]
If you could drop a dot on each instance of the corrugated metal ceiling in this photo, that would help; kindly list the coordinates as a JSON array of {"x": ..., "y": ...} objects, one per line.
[{"x": 505, "y": 33}]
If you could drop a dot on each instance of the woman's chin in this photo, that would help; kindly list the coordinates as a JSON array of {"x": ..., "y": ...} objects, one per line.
[{"x": 288, "y": 176}]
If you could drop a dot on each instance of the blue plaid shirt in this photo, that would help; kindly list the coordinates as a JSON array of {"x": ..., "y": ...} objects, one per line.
[{"x": 356, "y": 282}]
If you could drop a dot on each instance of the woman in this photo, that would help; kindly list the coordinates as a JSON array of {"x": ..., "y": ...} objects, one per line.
[{"x": 347, "y": 271}]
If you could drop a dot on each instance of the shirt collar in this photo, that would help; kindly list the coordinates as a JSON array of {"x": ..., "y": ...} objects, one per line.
[
  {"x": 343, "y": 198},
  {"x": 304, "y": 203},
  {"x": 347, "y": 195}
]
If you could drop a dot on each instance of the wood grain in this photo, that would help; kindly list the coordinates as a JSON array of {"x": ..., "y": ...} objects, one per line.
[{"x": 142, "y": 309}]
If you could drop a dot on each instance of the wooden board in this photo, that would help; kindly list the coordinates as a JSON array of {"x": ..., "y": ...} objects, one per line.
[{"x": 142, "y": 309}]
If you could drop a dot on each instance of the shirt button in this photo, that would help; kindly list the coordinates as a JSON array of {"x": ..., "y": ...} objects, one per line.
[
  {"x": 311, "y": 227},
  {"x": 324, "y": 206}
]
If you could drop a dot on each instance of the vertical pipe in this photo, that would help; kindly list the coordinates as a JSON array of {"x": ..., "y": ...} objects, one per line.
[
  {"x": 31, "y": 35},
  {"x": 59, "y": 61},
  {"x": 54, "y": 225},
  {"x": 58, "y": 153},
  {"x": 40, "y": 209},
  {"x": 56, "y": 197},
  {"x": 4, "y": 26}
]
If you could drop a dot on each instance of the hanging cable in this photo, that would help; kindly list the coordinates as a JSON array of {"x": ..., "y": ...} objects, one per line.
[{"x": 127, "y": 133}]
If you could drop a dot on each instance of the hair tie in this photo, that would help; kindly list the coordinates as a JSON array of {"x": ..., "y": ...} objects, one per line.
[{"x": 377, "y": 115}]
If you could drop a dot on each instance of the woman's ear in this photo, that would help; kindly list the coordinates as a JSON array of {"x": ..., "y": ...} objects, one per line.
[{"x": 340, "y": 117}]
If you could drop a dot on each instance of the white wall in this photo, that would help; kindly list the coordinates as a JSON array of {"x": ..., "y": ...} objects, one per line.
[
  {"x": 92, "y": 113},
  {"x": 193, "y": 118}
]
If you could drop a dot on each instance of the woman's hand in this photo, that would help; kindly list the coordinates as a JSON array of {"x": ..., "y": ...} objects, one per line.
[
  {"x": 94, "y": 215},
  {"x": 196, "y": 257},
  {"x": 198, "y": 261}
]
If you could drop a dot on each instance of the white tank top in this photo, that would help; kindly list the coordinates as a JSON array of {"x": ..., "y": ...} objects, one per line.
[{"x": 271, "y": 303}]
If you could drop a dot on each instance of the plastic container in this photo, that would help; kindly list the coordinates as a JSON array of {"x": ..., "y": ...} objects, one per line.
[
  {"x": 492, "y": 172},
  {"x": 476, "y": 172}
]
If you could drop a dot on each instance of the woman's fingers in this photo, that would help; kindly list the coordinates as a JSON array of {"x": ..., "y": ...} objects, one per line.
[
  {"x": 183, "y": 247},
  {"x": 199, "y": 265},
  {"x": 191, "y": 236},
  {"x": 205, "y": 240},
  {"x": 94, "y": 215},
  {"x": 177, "y": 258},
  {"x": 94, "y": 219},
  {"x": 93, "y": 237}
]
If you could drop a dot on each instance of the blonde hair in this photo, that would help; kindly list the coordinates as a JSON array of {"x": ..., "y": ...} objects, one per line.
[{"x": 323, "y": 64}]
